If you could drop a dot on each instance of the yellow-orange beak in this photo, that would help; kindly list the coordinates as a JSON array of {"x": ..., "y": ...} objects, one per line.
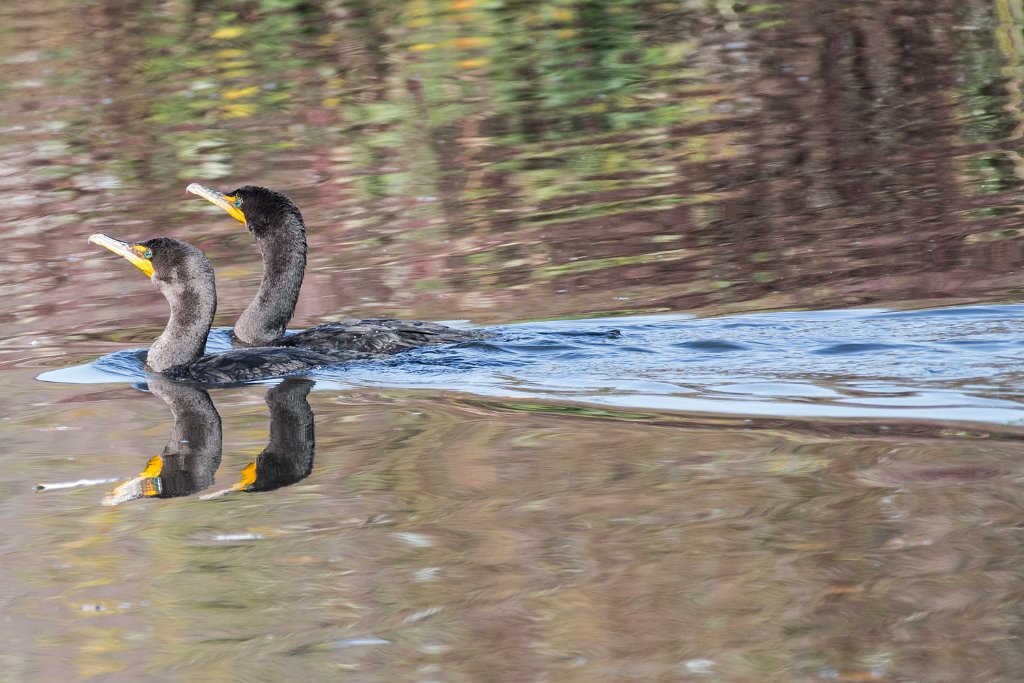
[
  {"x": 224, "y": 201},
  {"x": 244, "y": 484},
  {"x": 146, "y": 485},
  {"x": 136, "y": 254}
]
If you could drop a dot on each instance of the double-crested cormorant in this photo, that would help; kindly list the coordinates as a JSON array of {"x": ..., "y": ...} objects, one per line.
[
  {"x": 288, "y": 457},
  {"x": 277, "y": 226},
  {"x": 184, "y": 276},
  {"x": 192, "y": 454},
  {"x": 193, "y": 451}
]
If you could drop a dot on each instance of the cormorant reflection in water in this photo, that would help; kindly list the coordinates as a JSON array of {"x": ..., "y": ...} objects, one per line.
[{"x": 193, "y": 452}]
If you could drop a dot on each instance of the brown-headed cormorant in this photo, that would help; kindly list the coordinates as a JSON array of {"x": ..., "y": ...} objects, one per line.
[
  {"x": 184, "y": 276},
  {"x": 277, "y": 226}
]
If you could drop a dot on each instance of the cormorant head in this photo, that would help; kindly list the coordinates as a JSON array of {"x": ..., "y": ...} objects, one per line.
[
  {"x": 264, "y": 212},
  {"x": 167, "y": 262}
]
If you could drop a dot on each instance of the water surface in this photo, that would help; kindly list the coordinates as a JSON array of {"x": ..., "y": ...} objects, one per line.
[
  {"x": 752, "y": 407},
  {"x": 937, "y": 364}
]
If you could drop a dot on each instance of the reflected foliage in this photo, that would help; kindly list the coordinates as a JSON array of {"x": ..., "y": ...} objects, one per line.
[{"x": 508, "y": 159}]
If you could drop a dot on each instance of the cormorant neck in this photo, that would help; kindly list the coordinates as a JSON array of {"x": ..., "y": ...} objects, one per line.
[
  {"x": 193, "y": 306},
  {"x": 288, "y": 457},
  {"x": 291, "y": 420},
  {"x": 197, "y": 428},
  {"x": 192, "y": 454},
  {"x": 283, "y": 248},
  {"x": 193, "y": 449}
]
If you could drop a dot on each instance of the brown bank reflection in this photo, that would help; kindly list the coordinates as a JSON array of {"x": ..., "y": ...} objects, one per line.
[
  {"x": 496, "y": 161},
  {"x": 192, "y": 455}
]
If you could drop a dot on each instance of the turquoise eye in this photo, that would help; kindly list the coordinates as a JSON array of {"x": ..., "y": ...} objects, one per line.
[
  {"x": 238, "y": 203},
  {"x": 148, "y": 254}
]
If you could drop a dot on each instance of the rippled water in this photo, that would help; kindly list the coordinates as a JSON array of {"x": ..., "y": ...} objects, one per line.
[
  {"x": 751, "y": 410},
  {"x": 942, "y": 364}
]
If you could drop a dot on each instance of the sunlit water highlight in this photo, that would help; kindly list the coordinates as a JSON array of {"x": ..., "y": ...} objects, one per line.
[{"x": 944, "y": 364}]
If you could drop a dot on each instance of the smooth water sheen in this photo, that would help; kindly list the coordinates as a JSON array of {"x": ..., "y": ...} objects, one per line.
[{"x": 752, "y": 406}]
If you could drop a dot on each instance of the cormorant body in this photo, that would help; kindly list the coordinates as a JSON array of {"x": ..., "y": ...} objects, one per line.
[{"x": 276, "y": 225}]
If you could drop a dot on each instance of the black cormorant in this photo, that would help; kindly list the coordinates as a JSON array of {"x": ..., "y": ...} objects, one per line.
[
  {"x": 193, "y": 450},
  {"x": 277, "y": 226},
  {"x": 288, "y": 457},
  {"x": 184, "y": 276}
]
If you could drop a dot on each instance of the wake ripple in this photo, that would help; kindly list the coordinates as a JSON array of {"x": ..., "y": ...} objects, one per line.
[{"x": 961, "y": 363}]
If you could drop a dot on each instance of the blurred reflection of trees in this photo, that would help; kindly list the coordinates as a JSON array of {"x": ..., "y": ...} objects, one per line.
[{"x": 514, "y": 159}]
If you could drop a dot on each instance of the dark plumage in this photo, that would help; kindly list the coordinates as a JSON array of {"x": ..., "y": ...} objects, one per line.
[
  {"x": 184, "y": 276},
  {"x": 374, "y": 335},
  {"x": 254, "y": 363},
  {"x": 276, "y": 224},
  {"x": 192, "y": 454},
  {"x": 288, "y": 457}
]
